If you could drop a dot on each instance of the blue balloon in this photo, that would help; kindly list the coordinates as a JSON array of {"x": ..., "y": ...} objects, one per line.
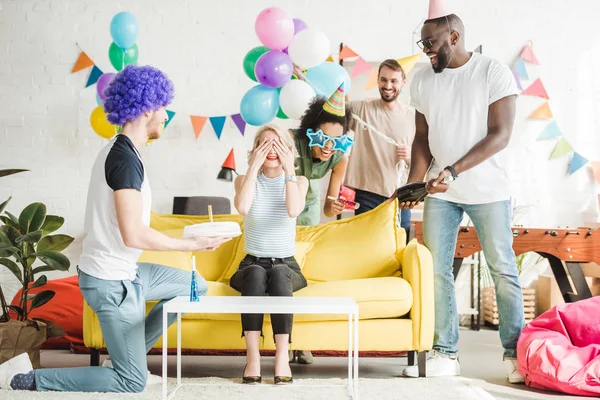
[
  {"x": 99, "y": 100},
  {"x": 259, "y": 105},
  {"x": 327, "y": 77},
  {"x": 124, "y": 29}
]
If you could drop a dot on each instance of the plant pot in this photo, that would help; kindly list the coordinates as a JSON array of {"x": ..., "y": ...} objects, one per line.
[
  {"x": 490, "y": 307},
  {"x": 17, "y": 337}
]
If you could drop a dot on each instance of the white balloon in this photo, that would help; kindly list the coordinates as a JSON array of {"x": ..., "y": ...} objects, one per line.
[
  {"x": 309, "y": 48},
  {"x": 294, "y": 98}
]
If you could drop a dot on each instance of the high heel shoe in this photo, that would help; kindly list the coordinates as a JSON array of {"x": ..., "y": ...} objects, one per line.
[
  {"x": 252, "y": 380},
  {"x": 283, "y": 380}
]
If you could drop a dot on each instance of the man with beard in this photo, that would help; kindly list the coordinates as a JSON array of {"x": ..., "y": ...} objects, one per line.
[
  {"x": 465, "y": 114},
  {"x": 374, "y": 165}
]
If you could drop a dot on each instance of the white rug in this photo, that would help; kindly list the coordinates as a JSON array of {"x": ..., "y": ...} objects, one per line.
[{"x": 301, "y": 389}]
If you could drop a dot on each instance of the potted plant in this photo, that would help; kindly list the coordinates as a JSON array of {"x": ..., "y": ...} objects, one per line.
[{"x": 28, "y": 249}]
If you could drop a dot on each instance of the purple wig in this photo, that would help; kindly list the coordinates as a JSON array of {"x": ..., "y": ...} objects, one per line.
[{"x": 135, "y": 91}]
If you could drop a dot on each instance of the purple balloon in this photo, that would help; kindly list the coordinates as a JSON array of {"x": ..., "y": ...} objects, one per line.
[
  {"x": 273, "y": 69},
  {"x": 299, "y": 25},
  {"x": 102, "y": 84}
]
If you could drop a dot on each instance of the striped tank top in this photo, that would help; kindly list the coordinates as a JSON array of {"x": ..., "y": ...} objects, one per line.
[{"x": 268, "y": 229}]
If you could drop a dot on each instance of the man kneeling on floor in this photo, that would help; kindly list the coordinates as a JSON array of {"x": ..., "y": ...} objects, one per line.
[{"x": 117, "y": 230}]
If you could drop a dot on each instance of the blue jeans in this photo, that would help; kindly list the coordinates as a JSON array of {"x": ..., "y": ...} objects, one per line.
[
  {"x": 127, "y": 332},
  {"x": 368, "y": 201},
  {"x": 441, "y": 221}
]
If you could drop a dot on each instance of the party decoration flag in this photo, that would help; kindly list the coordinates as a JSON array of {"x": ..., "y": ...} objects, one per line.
[
  {"x": 372, "y": 82},
  {"x": 408, "y": 63},
  {"x": 596, "y": 170},
  {"x": 478, "y": 49},
  {"x": 521, "y": 70},
  {"x": 347, "y": 52},
  {"x": 83, "y": 62},
  {"x": 239, "y": 122},
  {"x": 518, "y": 80},
  {"x": 527, "y": 55},
  {"x": 542, "y": 112},
  {"x": 170, "y": 114},
  {"x": 550, "y": 132},
  {"x": 536, "y": 89},
  {"x": 198, "y": 124},
  {"x": 577, "y": 162},
  {"x": 562, "y": 148},
  {"x": 229, "y": 161},
  {"x": 94, "y": 76},
  {"x": 438, "y": 9},
  {"x": 217, "y": 124},
  {"x": 336, "y": 103},
  {"x": 329, "y": 59},
  {"x": 360, "y": 67}
]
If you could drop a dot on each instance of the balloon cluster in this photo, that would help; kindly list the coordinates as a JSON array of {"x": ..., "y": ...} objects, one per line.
[
  {"x": 289, "y": 46},
  {"x": 125, "y": 30}
]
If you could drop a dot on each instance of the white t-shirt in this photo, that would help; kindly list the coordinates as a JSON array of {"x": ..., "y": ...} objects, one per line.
[
  {"x": 455, "y": 104},
  {"x": 104, "y": 253}
]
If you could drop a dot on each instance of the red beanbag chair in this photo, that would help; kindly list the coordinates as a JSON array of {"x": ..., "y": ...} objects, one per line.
[
  {"x": 560, "y": 349},
  {"x": 65, "y": 310}
]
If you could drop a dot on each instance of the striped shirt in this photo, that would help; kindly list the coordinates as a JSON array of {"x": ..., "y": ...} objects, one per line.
[{"x": 268, "y": 229}]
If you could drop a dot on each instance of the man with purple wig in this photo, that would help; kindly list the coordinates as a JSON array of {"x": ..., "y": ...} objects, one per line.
[{"x": 117, "y": 230}]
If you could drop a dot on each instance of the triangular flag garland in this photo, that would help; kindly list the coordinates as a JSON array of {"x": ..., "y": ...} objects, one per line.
[
  {"x": 519, "y": 86},
  {"x": 347, "y": 52},
  {"x": 542, "y": 112},
  {"x": 94, "y": 76},
  {"x": 83, "y": 62},
  {"x": 372, "y": 82},
  {"x": 577, "y": 162},
  {"x": 562, "y": 148},
  {"x": 360, "y": 67},
  {"x": 536, "y": 89},
  {"x": 217, "y": 124},
  {"x": 170, "y": 114},
  {"x": 527, "y": 55},
  {"x": 521, "y": 69},
  {"x": 551, "y": 131},
  {"x": 478, "y": 49},
  {"x": 329, "y": 59},
  {"x": 198, "y": 123},
  {"x": 239, "y": 122}
]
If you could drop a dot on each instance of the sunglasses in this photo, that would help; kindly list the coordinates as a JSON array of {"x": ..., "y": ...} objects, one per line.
[
  {"x": 320, "y": 139},
  {"x": 428, "y": 42}
]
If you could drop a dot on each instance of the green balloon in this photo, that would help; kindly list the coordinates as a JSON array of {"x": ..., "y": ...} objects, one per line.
[
  {"x": 119, "y": 58},
  {"x": 250, "y": 60},
  {"x": 281, "y": 114}
]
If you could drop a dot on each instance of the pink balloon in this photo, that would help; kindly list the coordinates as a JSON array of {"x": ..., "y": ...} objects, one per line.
[
  {"x": 274, "y": 28},
  {"x": 102, "y": 84}
]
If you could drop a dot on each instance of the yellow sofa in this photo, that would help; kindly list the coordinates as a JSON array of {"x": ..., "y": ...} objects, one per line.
[{"x": 364, "y": 257}]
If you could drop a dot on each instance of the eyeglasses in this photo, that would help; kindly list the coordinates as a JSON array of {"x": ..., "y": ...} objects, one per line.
[
  {"x": 428, "y": 42},
  {"x": 320, "y": 139}
]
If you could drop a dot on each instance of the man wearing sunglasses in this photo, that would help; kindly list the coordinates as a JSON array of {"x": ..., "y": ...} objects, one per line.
[{"x": 465, "y": 113}]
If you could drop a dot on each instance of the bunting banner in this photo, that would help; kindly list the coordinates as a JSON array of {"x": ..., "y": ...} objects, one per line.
[
  {"x": 479, "y": 49},
  {"x": 527, "y": 55},
  {"x": 372, "y": 82},
  {"x": 521, "y": 69},
  {"x": 347, "y": 52},
  {"x": 218, "y": 123},
  {"x": 551, "y": 131},
  {"x": 94, "y": 75},
  {"x": 83, "y": 62},
  {"x": 170, "y": 114},
  {"x": 577, "y": 162},
  {"x": 198, "y": 123},
  {"x": 360, "y": 67},
  {"x": 537, "y": 89},
  {"x": 239, "y": 122},
  {"x": 542, "y": 112},
  {"x": 519, "y": 86},
  {"x": 562, "y": 148}
]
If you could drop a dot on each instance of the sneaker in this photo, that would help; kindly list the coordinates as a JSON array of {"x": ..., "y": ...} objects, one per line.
[
  {"x": 151, "y": 380},
  {"x": 512, "y": 371},
  {"x": 437, "y": 364},
  {"x": 20, "y": 364}
]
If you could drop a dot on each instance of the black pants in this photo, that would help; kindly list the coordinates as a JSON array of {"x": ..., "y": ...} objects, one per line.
[
  {"x": 274, "y": 276},
  {"x": 369, "y": 201}
]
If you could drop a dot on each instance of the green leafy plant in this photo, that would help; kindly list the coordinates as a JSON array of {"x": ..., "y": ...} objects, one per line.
[{"x": 23, "y": 241}]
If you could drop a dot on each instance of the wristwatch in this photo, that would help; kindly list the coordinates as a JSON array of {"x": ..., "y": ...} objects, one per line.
[
  {"x": 453, "y": 175},
  {"x": 292, "y": 178}
]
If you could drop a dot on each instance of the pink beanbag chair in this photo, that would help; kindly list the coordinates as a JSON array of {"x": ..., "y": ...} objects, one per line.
[{"x": 560, "y": 349}]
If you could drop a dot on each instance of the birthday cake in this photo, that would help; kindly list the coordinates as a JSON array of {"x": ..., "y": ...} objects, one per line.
[{"x": 213, "y": 229}]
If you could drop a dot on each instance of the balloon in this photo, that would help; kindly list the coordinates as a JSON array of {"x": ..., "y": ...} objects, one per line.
[
  {"x": 273, "y": 69},
  {"x": 124, "y": 29},
  {"x": 299, "y": 25},
  {"x": 100, "y": 125},
  {"x": 295, "y": 97},
  {"x": 309, "y": 48},
  {"x": 280, "y": 113},
  {"x": 327, "y": 77},
  {"x": 250, "y": 60},
  {"x": 259, "y": 105},
  {"x": 99, "y": 100},
  {"x": 274, "y": 28},
  {"x": 119, "y": 57},
  {"x": 103, "y": 83}
]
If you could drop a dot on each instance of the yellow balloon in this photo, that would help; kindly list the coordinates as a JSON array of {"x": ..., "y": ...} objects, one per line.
[{"x": 100, "y": 125}]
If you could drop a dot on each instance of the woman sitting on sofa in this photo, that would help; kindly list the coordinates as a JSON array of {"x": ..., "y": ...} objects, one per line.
[{"x": 270, "y": 197}]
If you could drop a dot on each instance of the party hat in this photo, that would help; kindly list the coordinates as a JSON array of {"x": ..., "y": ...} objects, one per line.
[
  {"x": 438, "y": 9},
  {"x": 336, "y": 103}
]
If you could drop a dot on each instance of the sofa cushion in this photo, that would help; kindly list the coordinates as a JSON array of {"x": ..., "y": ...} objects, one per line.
[
  {"x": 388, "y": 297},
  {"x": 364, "y": 246}
]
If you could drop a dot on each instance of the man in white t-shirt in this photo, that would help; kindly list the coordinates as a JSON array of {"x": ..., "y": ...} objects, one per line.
[
  {"x": 465, "y": 113},
  {"x": 116, "y": 232}
]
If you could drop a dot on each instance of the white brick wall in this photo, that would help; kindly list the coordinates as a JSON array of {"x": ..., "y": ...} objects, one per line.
[{"x": 44, "y": 109}]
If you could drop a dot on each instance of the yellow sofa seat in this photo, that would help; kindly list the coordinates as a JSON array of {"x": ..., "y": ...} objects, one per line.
[{"x": 364, "y": 257}]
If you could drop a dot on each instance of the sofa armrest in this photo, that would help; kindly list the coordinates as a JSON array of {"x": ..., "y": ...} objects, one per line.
[
  {"x": 417, "y": 269},
  {"x": 92, "y": 334}
]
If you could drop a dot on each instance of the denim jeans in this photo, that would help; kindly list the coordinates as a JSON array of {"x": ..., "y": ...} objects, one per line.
[
  {"x": 276, "y": 276},
  {"x": 441, "y": 221},
  {"x": 369, "y": 201}
]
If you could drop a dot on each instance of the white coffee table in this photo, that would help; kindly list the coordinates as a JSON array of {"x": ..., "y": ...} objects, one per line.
[{"x": 263, "y": 305}]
